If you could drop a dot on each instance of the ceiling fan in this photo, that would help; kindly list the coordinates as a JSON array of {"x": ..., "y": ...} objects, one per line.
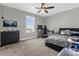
[{"x": 43, "y": 7}]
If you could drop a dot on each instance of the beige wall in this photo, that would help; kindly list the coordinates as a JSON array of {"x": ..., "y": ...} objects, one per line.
[
  {"x": 20, "y": 17},
  {"x": 65, "y": 19}
]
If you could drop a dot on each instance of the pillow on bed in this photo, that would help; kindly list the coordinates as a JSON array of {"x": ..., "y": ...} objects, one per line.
[
  {"x": 65, "y": 32},
  {"x": 74, "y": 33},
  {"x": 62, "y": 32}
]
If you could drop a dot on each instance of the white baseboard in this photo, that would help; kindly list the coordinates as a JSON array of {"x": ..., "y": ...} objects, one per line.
[{"x": 28, "y": 38}]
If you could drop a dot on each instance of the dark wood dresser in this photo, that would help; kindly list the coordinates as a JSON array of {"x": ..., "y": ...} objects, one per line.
[{"x": 9, "y": 37}]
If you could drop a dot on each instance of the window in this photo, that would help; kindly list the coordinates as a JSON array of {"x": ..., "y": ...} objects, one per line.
[{"x": 30, "y": 24}]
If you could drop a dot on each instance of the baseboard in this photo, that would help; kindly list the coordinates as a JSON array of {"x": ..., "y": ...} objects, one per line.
[{"x": 28, "y": 38}]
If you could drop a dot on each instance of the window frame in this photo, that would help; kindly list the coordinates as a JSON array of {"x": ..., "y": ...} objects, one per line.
[{"x": 31, "y": 30}]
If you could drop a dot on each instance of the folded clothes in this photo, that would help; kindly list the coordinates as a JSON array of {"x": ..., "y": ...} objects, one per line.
[
  {"x": 77, "y": 40},
  {"x": 75, "y": 45}
]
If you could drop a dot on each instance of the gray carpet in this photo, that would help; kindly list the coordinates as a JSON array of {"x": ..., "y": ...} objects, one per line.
[{"x": 34, "y": 47}]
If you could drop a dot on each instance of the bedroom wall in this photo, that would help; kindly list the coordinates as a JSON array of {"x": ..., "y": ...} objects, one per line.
[
  {"x": 20, "y": 17},
  {"x": 67, "y": 19}
]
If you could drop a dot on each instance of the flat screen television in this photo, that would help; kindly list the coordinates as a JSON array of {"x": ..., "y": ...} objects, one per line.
[
  {"x": 9, "y": 23},
  {"x": 40, "y": 26}
]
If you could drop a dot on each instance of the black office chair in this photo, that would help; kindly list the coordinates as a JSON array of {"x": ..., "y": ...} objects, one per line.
[
  {"x": 39, "y": 30},
  {"x": 45, "y": 31}
]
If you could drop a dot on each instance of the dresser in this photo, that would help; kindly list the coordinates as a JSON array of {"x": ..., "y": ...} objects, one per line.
[{"x": 9, "y": 37}]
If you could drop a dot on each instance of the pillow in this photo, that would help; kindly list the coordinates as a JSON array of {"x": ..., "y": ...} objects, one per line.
[
  {"x": 74, "y": 33},
  {"x": 62, "y": 32},
  {"x": 65, "y": 32}
]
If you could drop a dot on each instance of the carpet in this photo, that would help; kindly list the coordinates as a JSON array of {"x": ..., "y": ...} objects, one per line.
[{"x": 33, "y": 47}]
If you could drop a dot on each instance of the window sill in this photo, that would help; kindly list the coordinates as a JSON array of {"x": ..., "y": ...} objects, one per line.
[{"x": 30, "y": 32}]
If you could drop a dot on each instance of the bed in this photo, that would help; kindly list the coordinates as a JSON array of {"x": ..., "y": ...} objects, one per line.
[{"x": 59, "y": 41}]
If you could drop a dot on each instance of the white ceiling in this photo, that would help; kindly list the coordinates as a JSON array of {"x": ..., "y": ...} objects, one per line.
[{"x": 30, "y": 7}]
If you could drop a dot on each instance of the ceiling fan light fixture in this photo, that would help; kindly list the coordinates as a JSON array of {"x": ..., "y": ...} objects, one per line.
[{"x": 44, "y": 8}]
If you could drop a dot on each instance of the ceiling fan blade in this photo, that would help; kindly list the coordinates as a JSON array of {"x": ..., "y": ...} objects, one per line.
[
  {"x": 42, "y": 5},
  {"x": 39, "y": 11},
  {"x": 49, "y": 7},
  {"x": 46, "y": 11},
  {"x": 37, "y": 7}
]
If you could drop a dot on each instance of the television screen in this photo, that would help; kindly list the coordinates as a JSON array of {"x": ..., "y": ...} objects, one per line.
[
  {"x": 9, "y": 23},
  {"x": 40, "y": 26}
]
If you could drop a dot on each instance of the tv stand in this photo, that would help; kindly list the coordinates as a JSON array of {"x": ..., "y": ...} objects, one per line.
[{"x": 8, "y": 37}]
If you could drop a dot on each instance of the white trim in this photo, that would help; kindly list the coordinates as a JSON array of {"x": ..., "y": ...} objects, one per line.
[{"x": 28, "y": 38}]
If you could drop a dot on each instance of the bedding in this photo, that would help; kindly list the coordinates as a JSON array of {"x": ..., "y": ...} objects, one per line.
[
  {"x": 57, "y": 39},
  {"x": 61, "y": 38},
  {"x": 68, "y": 52}
]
